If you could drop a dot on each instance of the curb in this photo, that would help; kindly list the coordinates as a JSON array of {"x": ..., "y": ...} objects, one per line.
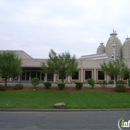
[{"x": 58, "y": 110}]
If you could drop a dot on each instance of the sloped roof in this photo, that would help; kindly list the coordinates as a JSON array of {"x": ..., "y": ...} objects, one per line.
[
  {"x": 20, "y": 53},
  {"x": 95, "y": 57}
]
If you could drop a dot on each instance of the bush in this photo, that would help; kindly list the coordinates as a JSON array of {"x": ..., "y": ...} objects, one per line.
[
  {"x": 111, "y": 82},
  {"x": 120, "y": 88},
  {"x": 2, "y": 88},
  {"x": 103, "y": 83},
  {"x": 18, "y": 86},
  {"x": 91, "y": 82},
  {"x": 120, "y": 82},
  {"x": 61, "y": 86},
  {"x": 47, "y": 84},
  {"x": 79, "y": 85},
  {"x": 35, "y": 82}
]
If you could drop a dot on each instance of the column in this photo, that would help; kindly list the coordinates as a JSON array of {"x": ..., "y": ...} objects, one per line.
[
  {"x": 81, "y": 75},
  {"x": 107, "y": 78},
  {"x": 69, "y": 79},
  {"x": 19, "y": 78},
  {"x": 45, "y": 78},
  {"x": 95, "y": 75},
  {"x": 54, "y": 78}
]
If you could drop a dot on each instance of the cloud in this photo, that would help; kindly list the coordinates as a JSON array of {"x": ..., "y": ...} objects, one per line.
[{"x": 77, "y": 26}]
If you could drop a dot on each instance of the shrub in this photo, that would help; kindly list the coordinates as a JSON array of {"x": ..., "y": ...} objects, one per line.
[
  {"x": 35, "y": 82},
  {"x": 120, "y": 88},
  {"x": 120, "y": 82},
  {"x": 91, "y": 82},
  {"x": 103, "y": 83},
  {"x": 18, "y": 86},
  {"x": 61, "y": 86},
  {"x": 111, "y": 82},
  {"x": 79, "y": 85},
  {"x": 47, "y": 84},
  {"x": 2, "y": 88}
]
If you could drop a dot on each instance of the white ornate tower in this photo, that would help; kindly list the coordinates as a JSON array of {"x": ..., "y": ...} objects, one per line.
[
  {"x": 118, "y": 45},
  {"x": 101, "y": 49},
  {"x": 126, "y": 49}
]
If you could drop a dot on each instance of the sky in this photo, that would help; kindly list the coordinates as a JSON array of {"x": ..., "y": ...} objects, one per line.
[{"x": 75, "y": 26}]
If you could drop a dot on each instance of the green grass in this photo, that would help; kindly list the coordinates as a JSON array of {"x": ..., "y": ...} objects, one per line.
[{"x": 76, "y": 100}]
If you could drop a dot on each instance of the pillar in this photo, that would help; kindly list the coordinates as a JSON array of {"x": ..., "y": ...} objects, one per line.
[
  {"x": 81, "y": 74},
  {"x": 95, "y": 75},
  {"x": 69, "y": 79},
  {"x": 45, "y": 78},
  {"x": 54, "y": 78},
  {"x": 19, "y": 78}
]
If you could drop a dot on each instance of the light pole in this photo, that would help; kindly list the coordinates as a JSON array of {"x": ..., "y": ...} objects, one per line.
[{"x": 114, "y": 56}]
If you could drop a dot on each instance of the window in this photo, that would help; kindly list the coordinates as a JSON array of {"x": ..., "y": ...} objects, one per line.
[
  {"x": 49, "y": 77},
  {"x": 27, "y": 75},
  {"x": 33, "y": 74},
  {"x": 76, "y": 75},
  {"x": 42, "y": 76},
  {"x": 61, "y": 73},
  {"x": 112, "y": 77},
  {"x": 100, "y": 75},
  {"x": 126, "y": 77},
  {"x": 88, "y": 74},
  {"x": 23, "y": 75},
  {"x": 38, "y": 75}
]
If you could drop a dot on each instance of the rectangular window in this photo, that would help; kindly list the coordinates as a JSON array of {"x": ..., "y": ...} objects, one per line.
[
  {"x": 33, "y": 74},
  {"x": 27, "y": 75},
  {"x": 23, "y": 75},
  {"x": 76, "y": 75},
  {"x": 38, "y": 75},
  {"x": 88, "y": 74},
  {"x": 49, "y": 77},
  {"x": 126, "y": 77},
  {"x": 61, "y": 73},
  {"x": 42, "y": 76},
  {"x": 100, "y": 75},
  {"x": 112, "y": 77}
]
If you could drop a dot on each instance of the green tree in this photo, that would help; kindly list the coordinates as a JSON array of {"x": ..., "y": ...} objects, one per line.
[
  {"x": 62, "y": 64},
  {"x": 10, "y": 65},
  {"x": 115, "y": 68},
  {"x": 35, "y": 82}
]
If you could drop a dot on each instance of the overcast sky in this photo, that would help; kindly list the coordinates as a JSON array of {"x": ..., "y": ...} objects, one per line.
[{"x": 77, "y": 26}]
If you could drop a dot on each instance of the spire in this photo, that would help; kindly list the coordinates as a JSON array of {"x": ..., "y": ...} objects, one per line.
[
  {"x": 128, "y": 38},
  {"x": 113, "y": 33},
  {"x": 101, "y": 43}
]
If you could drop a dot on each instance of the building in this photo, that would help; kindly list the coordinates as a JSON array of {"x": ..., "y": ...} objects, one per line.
[{"x": 89, "y": 65}]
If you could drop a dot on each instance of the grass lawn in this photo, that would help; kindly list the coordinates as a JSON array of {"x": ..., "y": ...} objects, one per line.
[{"x": 76, "y": 100}]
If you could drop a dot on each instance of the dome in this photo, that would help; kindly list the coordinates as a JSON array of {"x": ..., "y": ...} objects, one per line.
[
  {"x": 118, "y": 45},
  {"x": 101, "y": 49},
  {"x": 126, "y": 49}
]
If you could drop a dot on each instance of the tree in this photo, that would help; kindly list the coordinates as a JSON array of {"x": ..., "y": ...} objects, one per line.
[
  {"x": 62, "y": 64},
  {"x": 115, "y": 68},
  {"x": 35, "y": 82},
  {"x": 10, "y": 65}
]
